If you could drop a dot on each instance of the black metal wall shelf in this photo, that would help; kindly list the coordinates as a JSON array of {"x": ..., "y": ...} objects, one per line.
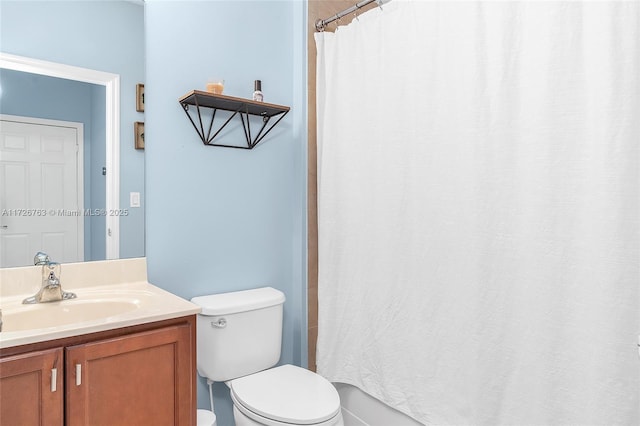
[{"x": 238, "y": 106}]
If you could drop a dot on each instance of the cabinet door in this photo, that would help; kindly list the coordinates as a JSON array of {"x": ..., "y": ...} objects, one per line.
[
  {"x": 138, "y": 379},
  {"x": 31, "y": 389}
]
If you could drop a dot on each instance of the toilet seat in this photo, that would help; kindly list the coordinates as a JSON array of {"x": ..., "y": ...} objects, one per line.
[{"x": 286, "y": 394}]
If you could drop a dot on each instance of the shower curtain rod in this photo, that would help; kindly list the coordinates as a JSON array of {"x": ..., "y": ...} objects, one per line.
[{"x": 321, "y": 24}]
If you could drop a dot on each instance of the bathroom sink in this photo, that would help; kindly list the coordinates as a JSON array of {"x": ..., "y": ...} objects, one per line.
[
  {"x": 111, "y": 295},
  {"x": 57, "y": 314}
]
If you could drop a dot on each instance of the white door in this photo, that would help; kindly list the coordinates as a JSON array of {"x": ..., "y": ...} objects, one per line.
[{"x": 41, "y": 194}]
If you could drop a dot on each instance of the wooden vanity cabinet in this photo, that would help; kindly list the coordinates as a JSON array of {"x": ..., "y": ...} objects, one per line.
[{"x": 141, "y": 375}]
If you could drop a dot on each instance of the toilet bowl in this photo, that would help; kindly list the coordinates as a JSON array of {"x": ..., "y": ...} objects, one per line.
[
  {"x": 239, "y": 339},
  {"x": 285, "y": 395}
]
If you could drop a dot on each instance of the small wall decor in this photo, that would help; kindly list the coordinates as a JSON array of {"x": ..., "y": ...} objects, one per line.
[
  {"x": 140, "y": 97},
  {"x": 138, "y": 132}
]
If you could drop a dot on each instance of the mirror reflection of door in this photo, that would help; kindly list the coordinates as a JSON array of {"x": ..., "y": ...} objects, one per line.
[
  {"x": 41, "y": 195},
  {"x": 30, "y": 96}
]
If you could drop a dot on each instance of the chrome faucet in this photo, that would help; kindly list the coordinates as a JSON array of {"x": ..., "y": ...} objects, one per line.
[{"x": 51, "y": 290}]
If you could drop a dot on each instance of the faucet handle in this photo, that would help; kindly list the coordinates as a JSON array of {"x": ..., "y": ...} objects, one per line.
[{"x": 41, "y": 259}]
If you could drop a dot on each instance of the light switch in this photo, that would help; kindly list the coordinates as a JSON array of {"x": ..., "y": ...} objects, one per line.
[{"x": 134, "y": 199}]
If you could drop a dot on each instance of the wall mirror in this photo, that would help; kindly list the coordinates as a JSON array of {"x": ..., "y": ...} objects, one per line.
[
  {"x": 29, "y": 217},
  {"x": 112, "y": 228}
]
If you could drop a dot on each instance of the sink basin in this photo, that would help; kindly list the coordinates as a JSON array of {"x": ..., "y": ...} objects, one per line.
[{"x": 57, "y": 314}]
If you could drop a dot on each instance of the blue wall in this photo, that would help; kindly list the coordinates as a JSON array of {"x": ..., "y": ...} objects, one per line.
[
  {"x": 102, "y": 35},
  {"x": 33, "y": 95},
  {"x": 221, "y": 219}
]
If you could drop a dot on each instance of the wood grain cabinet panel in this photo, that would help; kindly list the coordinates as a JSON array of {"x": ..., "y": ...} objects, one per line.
[
  {"x": 31, "y": 389},
  {"x": 138, "y": 379}
]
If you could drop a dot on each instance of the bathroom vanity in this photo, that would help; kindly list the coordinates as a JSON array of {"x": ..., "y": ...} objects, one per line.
[{"x": 125, "y": 354}]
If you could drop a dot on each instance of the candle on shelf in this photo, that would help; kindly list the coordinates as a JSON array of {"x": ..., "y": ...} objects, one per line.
[{"x": 215, "y": 85}]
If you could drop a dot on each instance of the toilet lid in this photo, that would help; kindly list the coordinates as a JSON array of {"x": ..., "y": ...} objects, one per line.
[{"x": 288, "y": 394}]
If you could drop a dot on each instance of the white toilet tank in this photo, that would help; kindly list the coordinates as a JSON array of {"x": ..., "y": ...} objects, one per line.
[{"x": 239, "y": 333}]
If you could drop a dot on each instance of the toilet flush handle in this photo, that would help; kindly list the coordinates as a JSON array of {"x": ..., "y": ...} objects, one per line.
[{"x": 219, "y": 323}]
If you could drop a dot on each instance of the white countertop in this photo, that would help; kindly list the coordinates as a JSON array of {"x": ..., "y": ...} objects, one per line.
[{"x": 125, "y": 301}]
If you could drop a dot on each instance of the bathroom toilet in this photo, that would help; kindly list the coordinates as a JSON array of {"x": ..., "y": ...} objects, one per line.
[{"x": 239, "y": 336}]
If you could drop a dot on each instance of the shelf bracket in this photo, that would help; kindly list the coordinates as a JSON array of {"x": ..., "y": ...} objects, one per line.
[
  {"x": 265, "y": 120},
  {"x": 207, "y": 138}
]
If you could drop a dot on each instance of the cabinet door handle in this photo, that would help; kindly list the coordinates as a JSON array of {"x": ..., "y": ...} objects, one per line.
[
  {"x": 78, "y": 374},
  {"x": 54, "y": 379}
]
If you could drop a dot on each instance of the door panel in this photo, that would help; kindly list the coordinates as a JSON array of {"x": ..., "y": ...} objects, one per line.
[
  {"x": 141, "y": 379},
  {"x": 40, "y": 193},
  {"x": 27, "y": 394}
]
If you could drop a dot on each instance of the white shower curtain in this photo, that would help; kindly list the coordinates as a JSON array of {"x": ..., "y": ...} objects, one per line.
[{"x": 479, "y": 210}]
